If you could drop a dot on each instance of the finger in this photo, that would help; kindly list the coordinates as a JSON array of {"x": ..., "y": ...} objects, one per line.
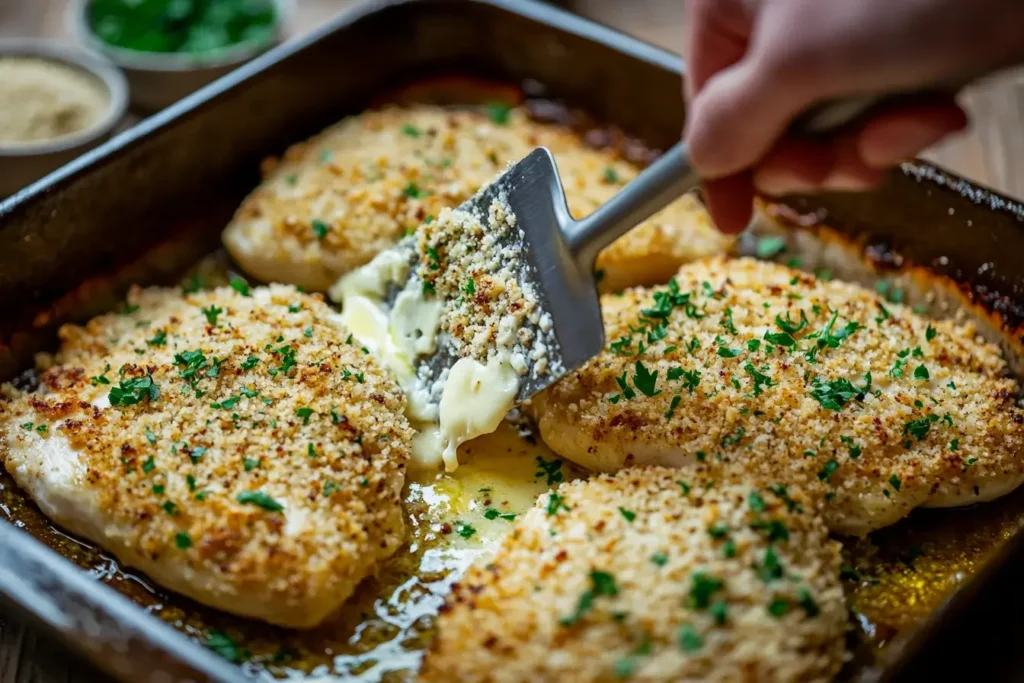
[
  {"x": 717, "y": 37},
  {"x": 801, "y": 166},
  {"x": 730, "y": 202},
  {"x": 900, "y": 134}
]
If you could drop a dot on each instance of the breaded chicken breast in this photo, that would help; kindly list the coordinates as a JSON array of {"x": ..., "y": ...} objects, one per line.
[
  {"x": 814, "y": 383},
  {"x": 653, "y": 575},
  {"x": 338, "y": 199},
  {"x": 234, "y": 445}
]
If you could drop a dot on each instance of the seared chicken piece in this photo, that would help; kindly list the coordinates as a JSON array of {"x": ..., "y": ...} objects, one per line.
[
  {"x": 233, "y": 446},
  {"x": 340, "y": 198},
  {"x": 809, "y": 382},
  {"x": 654, "y": 575}
]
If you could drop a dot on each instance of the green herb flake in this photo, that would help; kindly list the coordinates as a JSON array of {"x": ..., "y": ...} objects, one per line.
[
  {"x": 133, "y": 391},
  {"x": 240, "y": 286},
  {"x": 688, "y": 638},
  {"x": 827, "y": 470},
  {"x": 464, "y": 530},
  {"x": 498, "y": 112},
  {"x": 660, "y": 559},
  {"x": 629, "y": 515},
  {"x": 259, "y": 499},
  {"x": 770, "y": 247},
  {"x": 183, "y": 540},
  {"x": 305, "y": 414},
  {"x": 895, "y": 482},
  {"x": 555, "y": 503}
]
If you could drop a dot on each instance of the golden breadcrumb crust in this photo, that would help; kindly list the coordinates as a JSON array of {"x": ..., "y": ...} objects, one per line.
[
  {"x": 652, "y": 575},
  {"x": 335, "y": 201},
  {"x": 879, "y": 407},
  {"x": 262, "y": 402}
]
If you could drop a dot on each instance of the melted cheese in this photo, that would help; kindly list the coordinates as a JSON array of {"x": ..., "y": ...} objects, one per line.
[
  {"x": 475, "y": 400},
  {"x": 470, "y": 401}
]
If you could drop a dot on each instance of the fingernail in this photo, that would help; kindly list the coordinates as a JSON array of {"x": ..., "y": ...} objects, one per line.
[{"x": 779, "y": 183}]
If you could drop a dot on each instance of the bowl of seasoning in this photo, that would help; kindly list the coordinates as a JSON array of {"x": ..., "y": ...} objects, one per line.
[
  {"x": 170, "y": 48},
  {"x": 56, "y": 102}
]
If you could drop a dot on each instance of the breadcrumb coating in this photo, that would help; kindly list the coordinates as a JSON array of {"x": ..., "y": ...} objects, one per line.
[
  {"x": 821, "y": 384},
  {"x": 337, "y": 200},
  {"x": 653, "y": 575},
  {"x": 235, "y": 445}
]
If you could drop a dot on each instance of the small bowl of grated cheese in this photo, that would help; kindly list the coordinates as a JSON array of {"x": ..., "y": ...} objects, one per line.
[{"x": 56, "y": 102}]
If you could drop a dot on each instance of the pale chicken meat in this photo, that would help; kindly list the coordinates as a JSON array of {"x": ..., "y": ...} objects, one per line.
[
  {"x": 822, "y": 384},
  {"x": 234, "y": 445},
  {"x": 655, "y": 575},
  {"x": 334, "y": 202}
]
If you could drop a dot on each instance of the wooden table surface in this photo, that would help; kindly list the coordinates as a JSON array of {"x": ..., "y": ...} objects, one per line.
[{"x": 991, "y": 152}]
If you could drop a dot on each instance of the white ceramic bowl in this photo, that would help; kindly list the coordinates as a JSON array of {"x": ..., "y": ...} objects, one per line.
[
  {"x": 23, "y": 163},
  {"x": 159, "y": 79}
]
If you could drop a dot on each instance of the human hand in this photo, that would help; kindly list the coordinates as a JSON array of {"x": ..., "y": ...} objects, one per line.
[{"x": 755, "y": 65}]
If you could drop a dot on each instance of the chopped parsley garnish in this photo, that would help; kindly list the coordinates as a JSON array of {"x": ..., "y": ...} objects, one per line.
[
  {"x": 788, "y": 326},
  {"x": 672, "y": 407},
  {"x": 469, "y": 287},
  {"x": 305, "y": 414},
  {"x": 491, "y": 513},
  {"x": 777, "y": 531},
  {"x": 435, "y": 260},
  {"x": 921, "y": 372},
  {"x": 778, "y": 607},
  {"x": 132, "y": 391},
  {"x": 919, "y": 428},
  {"x": 227, "y": 648},
  {"x": 897, "y": 368},
  {"x": 329, "y": 488},
  {"x": 780, "y": 339},
  {"x": 704, "y": 586},
  {"x": 659, "y": 559},
  {"x": 689, "y": 639},
  {"x": 311, "y": 450},
  {"x": 259, "y": 499},
  {"x": 726, "y": 352},
  {"x": 718, "y": 531},
  {"x": 756, "y": 502},
  {"x": 832, "y": 339},
  {"x": 498, "y": 112},
  {"x": 158, "y": 339},
  {"x": 929, "y": 333},
  {"x": 855, "y": 450},
  {"x": 410, "y": 130},
  {"x": 551, "y": 469},
  {"x": 170, "y": 508},
  {"x": 240, "y": 286},
  {"x": 610, "y": 175},
  {"x": 464, "y": 530},
  {"x": 413, "y": 190},
  {"x": 629, "y": 515},
  {"x": 627, "y": 391},
  {"x": 727, "y": 322},
  {"x": 645, "y": 381},
  {"x": 733, "y": 439},
  {"x": 128, "y": 309},
  {"x": 250, "y": 464},
  {"x": 27, "y": 426},
  {"x": 769, "y": 568},
  {"x": 760, "y": 380},
  {"x": 769, "y": 247},
  {"x": 101, "y": 378},
  {"x": 895, "y": 482},
  {"x": 149, "y": 465},
  {"x": 684, "y": 487},
  {"x": 835, "y": 394},
  {"x": 227, "y": 404},
  {"x": 320, "y": 229},
  {"x": 954, "y": 445},
  {"x": 250, "y": 362},
  {"x": 807, "y": 603},
  {"x": 183, "y": 540},
  {"x": 827, "y": 470},
  {"x": 601, "y": 584},
  {"x": 555, "y": 502}
]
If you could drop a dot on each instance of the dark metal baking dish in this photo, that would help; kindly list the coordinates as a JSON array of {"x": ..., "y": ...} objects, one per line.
[{"x": 152, "y": 201}]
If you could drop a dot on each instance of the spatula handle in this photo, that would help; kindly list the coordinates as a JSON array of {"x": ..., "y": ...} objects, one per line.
[{"x": 671, "y": 175}]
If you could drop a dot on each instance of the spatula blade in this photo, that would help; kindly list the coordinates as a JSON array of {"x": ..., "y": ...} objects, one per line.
[{"x": 567, "y": 290}]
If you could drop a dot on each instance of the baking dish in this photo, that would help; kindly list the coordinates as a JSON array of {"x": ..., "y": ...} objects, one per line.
[{"x": 151, "y": 202}]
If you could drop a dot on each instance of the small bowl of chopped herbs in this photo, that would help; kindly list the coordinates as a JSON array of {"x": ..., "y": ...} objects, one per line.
[{"x": 170, "y": 48}]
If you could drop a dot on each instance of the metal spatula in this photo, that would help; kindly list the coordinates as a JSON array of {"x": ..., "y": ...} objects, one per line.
[{"x": 561, "y": 251}]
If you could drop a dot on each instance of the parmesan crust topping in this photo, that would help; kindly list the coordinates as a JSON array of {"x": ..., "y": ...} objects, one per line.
[
  {"x": 339, "y": 199},
  {"x": 465, "y": 329},
  {"x": 821, "y": 384},
  {"x": 237, "y": 445},
  {"x": 654, "y": 575}
]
